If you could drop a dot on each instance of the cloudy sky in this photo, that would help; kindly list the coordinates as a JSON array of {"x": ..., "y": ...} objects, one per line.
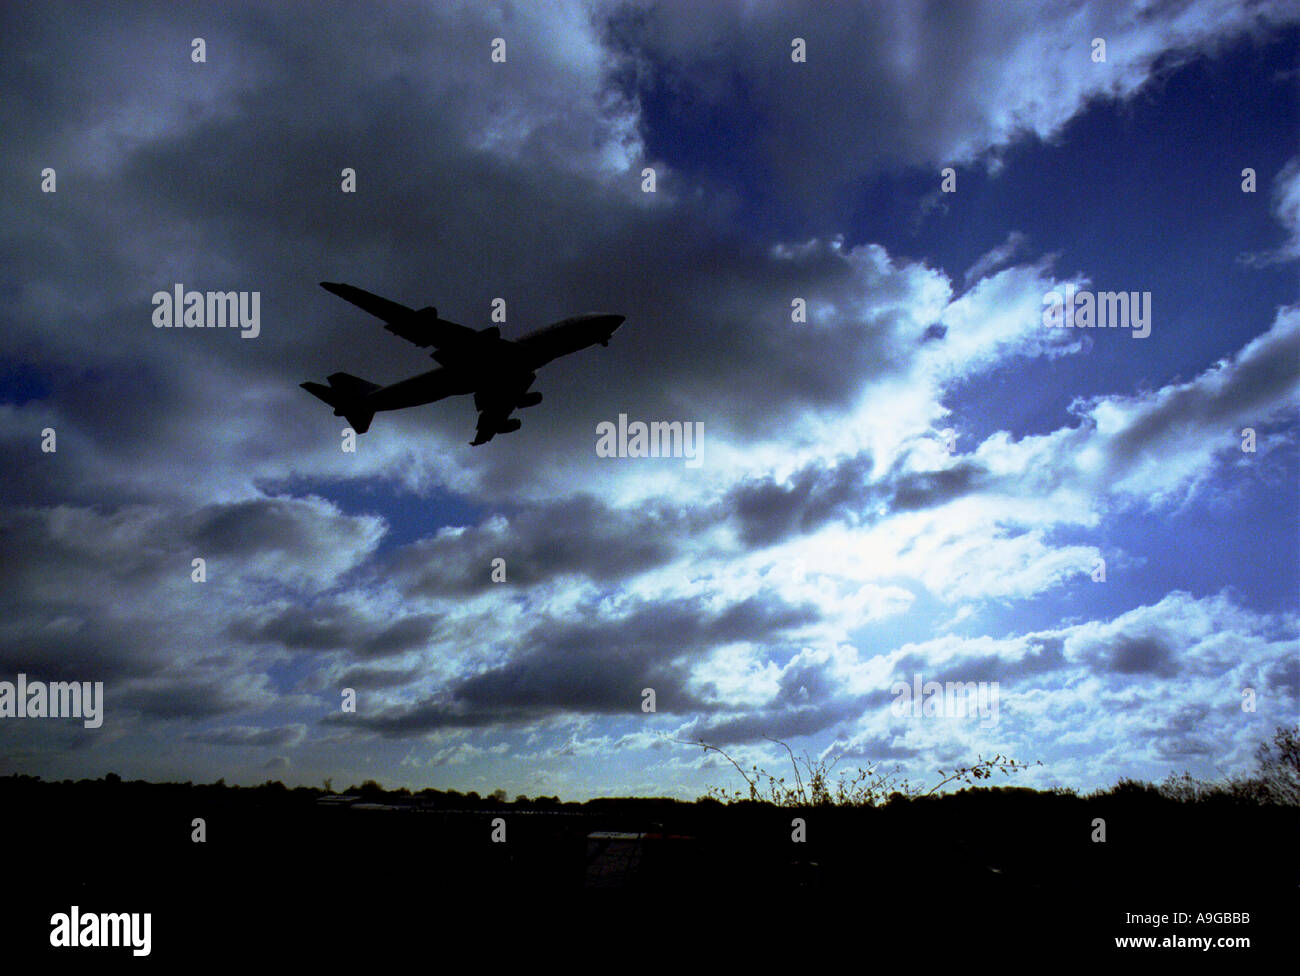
[{"x": 919, "y": 479}]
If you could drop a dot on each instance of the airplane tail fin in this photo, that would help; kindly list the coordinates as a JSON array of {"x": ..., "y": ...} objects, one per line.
[{"x": 346, "y": 394}]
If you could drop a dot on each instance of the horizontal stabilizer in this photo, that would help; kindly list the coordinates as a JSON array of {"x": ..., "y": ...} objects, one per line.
[
  {"x": 349, "y": 385},
  {"x": 319, "y": 390},
  {"x": 346, "y": 394}
]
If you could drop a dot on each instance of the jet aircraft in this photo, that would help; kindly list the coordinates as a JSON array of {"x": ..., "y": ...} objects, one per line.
[{"x": 497, "y": 371}]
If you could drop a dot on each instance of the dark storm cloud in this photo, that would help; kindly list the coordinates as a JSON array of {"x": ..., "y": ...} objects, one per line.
[
  {"x": 1142, "y": 655},
  {"x": 603, "y": 666},
  {"x": 430, "y": 715},
  {"x": 1183, "y": 734},
  {"x": 758, "y": 617},
  {"x": 267, "y": 525},
  {"x": 598, "y": 667},
  {"x": 769, "y": 511},
  {"x": 1284, "y": 676},
  {"x": 402, "y": 635},
  {"x": 53, "y": 548},
  {"x": 106, "y": 594},
  {"x": 112, "y": 400},
  {"x": 35, "y": 477},
  {"x": 929, "y": 489},
  {"x": 54, "y": 646},
  {"x": 304, "y": 628},
  {"x": 1265, "y": 374},
  {"x": 579, "y": 534},
  {"x": 1187, "y": 718},
  {"x": 810, "y": 699},
  {"x": 245, "y": 735},
  {"x": 1185, "y": 746},
  {"x": 874, "y": 748},
  {"x": 1045, "y": 654},
  {"x": 782, "y": 722},
  {"x": 70, "y": 588},
  {"x": 324, "y": 626},
  {"x": 111, "y": 590},
  {"x": 185, "y": 698},
  {"x": 372, "y": 678}
]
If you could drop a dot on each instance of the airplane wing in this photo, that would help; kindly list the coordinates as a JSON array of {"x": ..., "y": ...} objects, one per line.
[
  {"x": 420, "y": 326},
  {"x": 496, "y": 401}
]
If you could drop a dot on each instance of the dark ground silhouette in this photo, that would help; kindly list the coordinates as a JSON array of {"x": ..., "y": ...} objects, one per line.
[{"x": 280, "y": 870}]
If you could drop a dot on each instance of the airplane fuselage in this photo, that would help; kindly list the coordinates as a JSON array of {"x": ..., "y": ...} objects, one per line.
[{"x": 461, "y": 375}]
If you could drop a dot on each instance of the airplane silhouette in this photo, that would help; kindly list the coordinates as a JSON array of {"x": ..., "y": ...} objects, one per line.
[{"x": 497, "y": 371}]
